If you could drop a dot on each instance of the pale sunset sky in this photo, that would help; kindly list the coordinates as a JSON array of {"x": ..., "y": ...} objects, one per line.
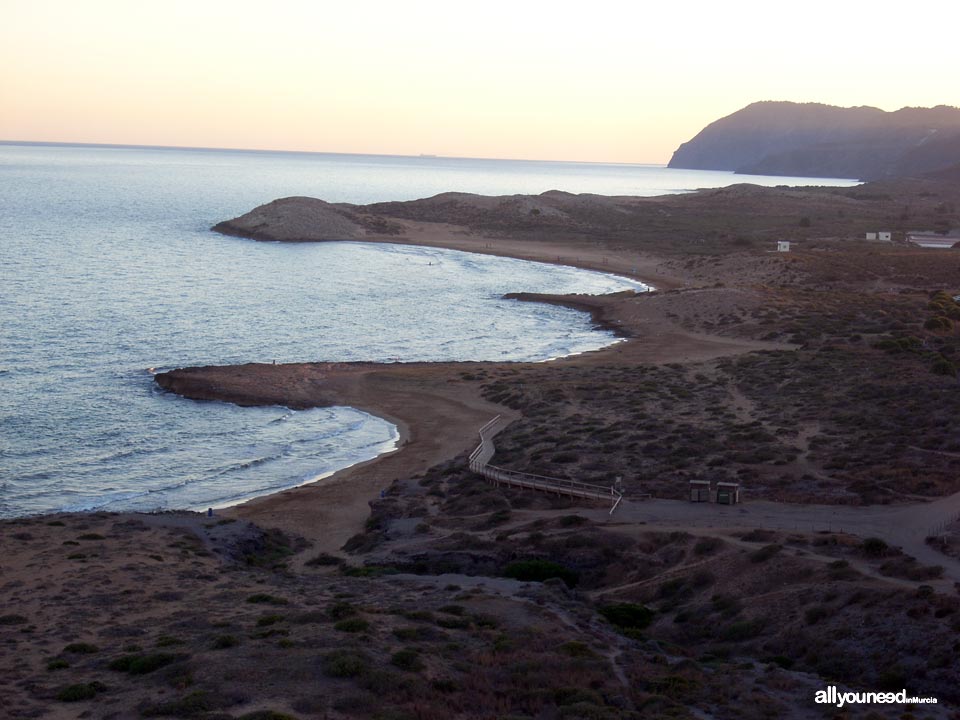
[{"x": 592, "y": 81}]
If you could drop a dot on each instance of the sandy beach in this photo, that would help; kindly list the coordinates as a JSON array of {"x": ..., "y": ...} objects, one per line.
[{"x": 438, "y": 412}]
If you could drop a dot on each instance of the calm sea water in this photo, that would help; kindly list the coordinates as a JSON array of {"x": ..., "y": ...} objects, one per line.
[{"x": 109, "y": 268}]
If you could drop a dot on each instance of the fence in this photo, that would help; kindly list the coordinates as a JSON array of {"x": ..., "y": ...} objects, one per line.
[{"x": 480, "y": 464}]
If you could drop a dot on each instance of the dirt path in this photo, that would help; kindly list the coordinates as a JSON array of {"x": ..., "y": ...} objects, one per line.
[{"x": 903, "y": 526}]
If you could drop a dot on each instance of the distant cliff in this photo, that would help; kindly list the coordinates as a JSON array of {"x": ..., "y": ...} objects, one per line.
[{"x": 814, "y": 140}]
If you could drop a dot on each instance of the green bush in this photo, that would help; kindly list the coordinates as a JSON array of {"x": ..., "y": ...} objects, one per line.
[
  {"x": 81, "y": 691},
  {"x": 58, "y": 664},
  {"x": 742, "y": 630},
  {"x": 765, "y": 553},
  {"x": 540, "y": 570},
  {"x": 576, "y": 649},
  {"x": 267, "y": 599},
  {"x": 142, "y": 664},
  {"x": 344, "y": 663},
  {"x": 81, "y": 648},
  {"x": 352, "y": 625},
  {"x": 942, "y": 366},
  {"x": 407, "y": 659},
  {"x": 938, "y": 323},
  {"x": 874, "y": 547},
  {"x": 192, "y": 705},
  {"x": 707, "y": 545},
  {"x": 627, "y": 616},
  {"x": 273, "y": 619},
  {"x": 223, "y": 642},
  {"x": 341, "y": 610}
]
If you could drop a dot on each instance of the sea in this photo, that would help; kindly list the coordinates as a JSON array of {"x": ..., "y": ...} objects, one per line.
[{"x": 109, "y": 272}]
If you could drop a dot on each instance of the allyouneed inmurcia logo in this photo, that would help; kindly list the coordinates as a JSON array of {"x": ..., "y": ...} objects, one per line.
[{"x": 832, "y": 696}]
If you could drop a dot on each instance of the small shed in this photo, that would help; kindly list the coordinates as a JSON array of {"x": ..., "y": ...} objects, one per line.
[
  {"x": 728, "y": 493},
  {"x": 783, "y": 246},
  {"x": 884, "y": 236},
  {"x": 699, "y": 491},
  {"x": 871, "y": 236}
]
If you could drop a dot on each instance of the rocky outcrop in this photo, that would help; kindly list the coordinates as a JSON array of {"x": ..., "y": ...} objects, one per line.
[
  {"x": 814, "y": 140},
  {"x": 295, "y": 219}
]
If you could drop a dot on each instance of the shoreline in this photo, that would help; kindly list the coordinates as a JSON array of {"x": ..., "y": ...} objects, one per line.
[
  {"x": 436, "y": 412},
  {"x": 635, "y": 266}
]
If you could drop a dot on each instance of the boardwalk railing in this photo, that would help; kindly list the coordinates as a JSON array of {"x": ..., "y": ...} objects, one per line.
[
  {"x": 941, "y": 527},
  {"x": 480, "y": 464}
]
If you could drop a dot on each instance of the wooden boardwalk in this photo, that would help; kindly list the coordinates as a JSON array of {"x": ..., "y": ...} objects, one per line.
[{"x": 480, "y": 464}]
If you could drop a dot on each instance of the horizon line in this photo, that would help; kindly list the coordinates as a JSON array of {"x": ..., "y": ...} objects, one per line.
[{"x": 422, "y": 156}]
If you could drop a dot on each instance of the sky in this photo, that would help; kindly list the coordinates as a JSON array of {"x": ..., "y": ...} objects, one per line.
[{"x": 598, "y": 81}]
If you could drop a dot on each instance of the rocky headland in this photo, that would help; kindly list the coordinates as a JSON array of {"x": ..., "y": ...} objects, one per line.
[{"x": 815, "y": 140}]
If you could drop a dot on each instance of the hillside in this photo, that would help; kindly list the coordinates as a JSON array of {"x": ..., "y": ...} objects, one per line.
[{"x": 815, "y": 140}]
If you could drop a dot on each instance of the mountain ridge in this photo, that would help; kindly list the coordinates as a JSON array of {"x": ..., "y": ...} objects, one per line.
[{"x": 818, "y": 140}]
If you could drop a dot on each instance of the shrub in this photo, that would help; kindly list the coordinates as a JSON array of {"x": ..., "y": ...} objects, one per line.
[
  {"x": 765, "y": 553},
  {"x": 352, "y": 625},
  {"x": 942, "y": 366},
  {"x": 939, "y": 323},
  {"x": 815, "y": 614},
  {"x": 142, "y": 664},
  {"x": 454, "y": 623},
  {"x": 576, "y": 649},
  {"x": 415, "y": 634},
  {"x": 324, "y": 559},
  {"x": 874, "y": 547},
  {"x": 265, "y": 620},
  {"x": 344, "y": 663},
  {"x": 267, "y": 599},
  {"x": 540, "y": 570},
  {"x": 742, "y": 630},
  {"x": 81, "y": 648},
  {"x": 91, "y": 536},
  {"x": 81, "y": 691},
  {"x": 58, "y": 664},
  {"x": 627, "y": 616},
  {"x": 192, "y": 705},
  {"x": 341, "y": 610},
  {"x": 781, "y": 660},
  {"x": 707, "y": 545},
  {"x": 407, "y": 659},
  {"x": 12, "y": 620},
  {"x": 222, "y": 642}
]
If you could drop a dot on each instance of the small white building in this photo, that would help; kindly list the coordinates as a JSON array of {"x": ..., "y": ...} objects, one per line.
[
  {"x": 884, "y": 236},
  {"x": 783, "y": 246},
  {"x": 871, "y": 236}
]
